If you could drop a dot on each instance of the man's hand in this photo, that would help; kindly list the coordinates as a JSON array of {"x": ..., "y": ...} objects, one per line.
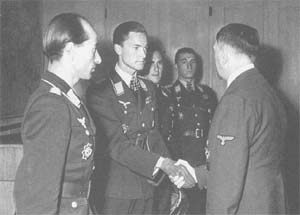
[
  {"x": 188, "y": 166},
  {"x": 184, "y": 178},
  {"x": 168, "y": 166},
  {"x": 188, "y": 173},
  {"x": 178, "y": 174}
]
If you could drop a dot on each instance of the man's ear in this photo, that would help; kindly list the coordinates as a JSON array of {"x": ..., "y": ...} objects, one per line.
[
  {"x": 224, "y": 54},
  {"x": 69, "y": 47},
  {"x": 118, "y": 49}
]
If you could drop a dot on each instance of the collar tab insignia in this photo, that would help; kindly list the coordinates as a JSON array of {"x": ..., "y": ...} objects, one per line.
[{"x": 118, "y": 88}]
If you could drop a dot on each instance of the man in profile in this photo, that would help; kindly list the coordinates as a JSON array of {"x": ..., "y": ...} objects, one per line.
[{"x": 58, "y": 132}]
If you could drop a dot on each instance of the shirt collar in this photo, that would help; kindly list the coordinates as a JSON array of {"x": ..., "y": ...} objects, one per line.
[
  {"x": 238, "y": 72},
  {"x": 184, "y": 83},
  {"x": 124, "y": 75}
]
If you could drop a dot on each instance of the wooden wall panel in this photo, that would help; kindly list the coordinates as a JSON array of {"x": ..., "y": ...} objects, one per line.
[
  {"x": 6, "y": 198},
  {"x": 189, "y": 27},
  {"x": 10, "y": 157},
  {"x": 289, "y": 85},
  {"x": 21, "y": 56}
]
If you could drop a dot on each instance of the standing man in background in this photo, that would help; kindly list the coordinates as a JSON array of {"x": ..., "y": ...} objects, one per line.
[
  {"x": 125, "y": 106},
  {"x": 57, "y": 131},
  {"x": 246, "y": 140},
  {"x": 153, "y": 71},
  {"x": 193, "y": 108}
]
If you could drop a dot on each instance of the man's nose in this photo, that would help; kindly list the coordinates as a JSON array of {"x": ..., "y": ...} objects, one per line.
[
  {"x": 155, "y": 67},
  {"x": 98, "y": 59},
  {"x": 143, "y": 52}
]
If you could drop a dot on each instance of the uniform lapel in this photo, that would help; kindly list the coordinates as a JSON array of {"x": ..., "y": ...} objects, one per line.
[
  {"x": 89, "y": 118},
  {"x": 122, "y": 90}
]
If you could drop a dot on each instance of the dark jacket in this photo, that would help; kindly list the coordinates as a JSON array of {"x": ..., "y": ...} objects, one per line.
[
  {"x": 134, "y": 143},
  {"x": 54, "y": 173},
  {"x": 191, "y": 116},
  {"x": 246, "y": 145}
]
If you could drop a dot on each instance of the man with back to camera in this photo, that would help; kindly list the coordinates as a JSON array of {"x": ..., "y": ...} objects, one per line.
[
  {"x": 246, "y": 140},
  {"x": 192, "y": 110},
  {"x": 57, "y": 132},
  {"x": 125, "y": 106},
  {"x": 247, "y": 135}
]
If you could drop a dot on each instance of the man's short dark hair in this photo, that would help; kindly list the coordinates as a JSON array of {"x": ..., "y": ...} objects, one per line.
[
  {"x": 241, "y": 37},
  {"x": 122, "y": 31},
  {"x": 63, "y": 28},
  {"x": 184, "y": 51}
]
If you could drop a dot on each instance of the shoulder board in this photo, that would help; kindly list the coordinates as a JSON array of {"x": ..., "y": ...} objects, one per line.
[
  {"x": 165, "y": 91},
  {"x": 199, "y": 86},
  {"x": 55, "y": 90}
]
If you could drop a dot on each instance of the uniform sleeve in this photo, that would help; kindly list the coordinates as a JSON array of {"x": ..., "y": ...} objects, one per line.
[
  {"x": 46, "y": 132},
  {"x": 121, "y": 148},
  {"x": 229, "y": 151},
  {"x": 201, "y": 175}
]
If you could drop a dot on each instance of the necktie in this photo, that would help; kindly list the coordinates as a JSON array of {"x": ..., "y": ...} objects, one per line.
[
  {"x": 135, "y": 84},
  {"x": 189, "y": 86}
]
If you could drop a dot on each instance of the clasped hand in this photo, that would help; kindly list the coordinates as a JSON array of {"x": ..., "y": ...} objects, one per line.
[{"x": 181, "y": 173}]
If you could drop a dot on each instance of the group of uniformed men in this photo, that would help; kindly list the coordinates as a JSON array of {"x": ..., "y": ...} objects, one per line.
[{"x": 149, "y": 136}]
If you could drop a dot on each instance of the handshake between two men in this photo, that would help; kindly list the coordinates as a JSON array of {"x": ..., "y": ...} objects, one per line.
[{"x": 180, "y": 172}]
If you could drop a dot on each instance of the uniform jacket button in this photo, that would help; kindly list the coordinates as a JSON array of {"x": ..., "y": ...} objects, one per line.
[{"x": 74, "y": 204}]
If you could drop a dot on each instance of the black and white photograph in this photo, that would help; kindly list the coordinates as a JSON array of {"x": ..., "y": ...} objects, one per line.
[{"x": 163, "y": 107}]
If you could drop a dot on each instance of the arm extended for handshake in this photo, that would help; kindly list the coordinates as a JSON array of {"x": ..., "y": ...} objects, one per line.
[{"x": 183, "y": 175}]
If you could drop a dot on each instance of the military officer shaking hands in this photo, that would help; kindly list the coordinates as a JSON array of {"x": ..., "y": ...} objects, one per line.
[
  {"x": 125, "y": 106},
  {"x": 58, "y": 132},
  {"x": 246, "y": 139}
]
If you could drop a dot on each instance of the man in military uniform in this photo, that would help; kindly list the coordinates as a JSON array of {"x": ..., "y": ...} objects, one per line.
[
  {"x": 125, "y": 106},
  {"x": 192, "y": 111},
  {"x": 153, "y": 71},
  {"x": 57, "y": 131}
]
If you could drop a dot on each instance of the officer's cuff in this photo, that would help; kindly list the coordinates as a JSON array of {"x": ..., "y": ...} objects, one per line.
[
  {"x": 158, "y": 165},
  {"x": 201, "y": 174}
]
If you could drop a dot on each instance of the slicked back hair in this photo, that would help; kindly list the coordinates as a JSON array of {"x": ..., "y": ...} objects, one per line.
[
  {"x": 183, "y": 51},
  {"x": 122, "y": 31},
  {"x": 243, "y": 38},
  {"x": 63, "y": 28}
]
